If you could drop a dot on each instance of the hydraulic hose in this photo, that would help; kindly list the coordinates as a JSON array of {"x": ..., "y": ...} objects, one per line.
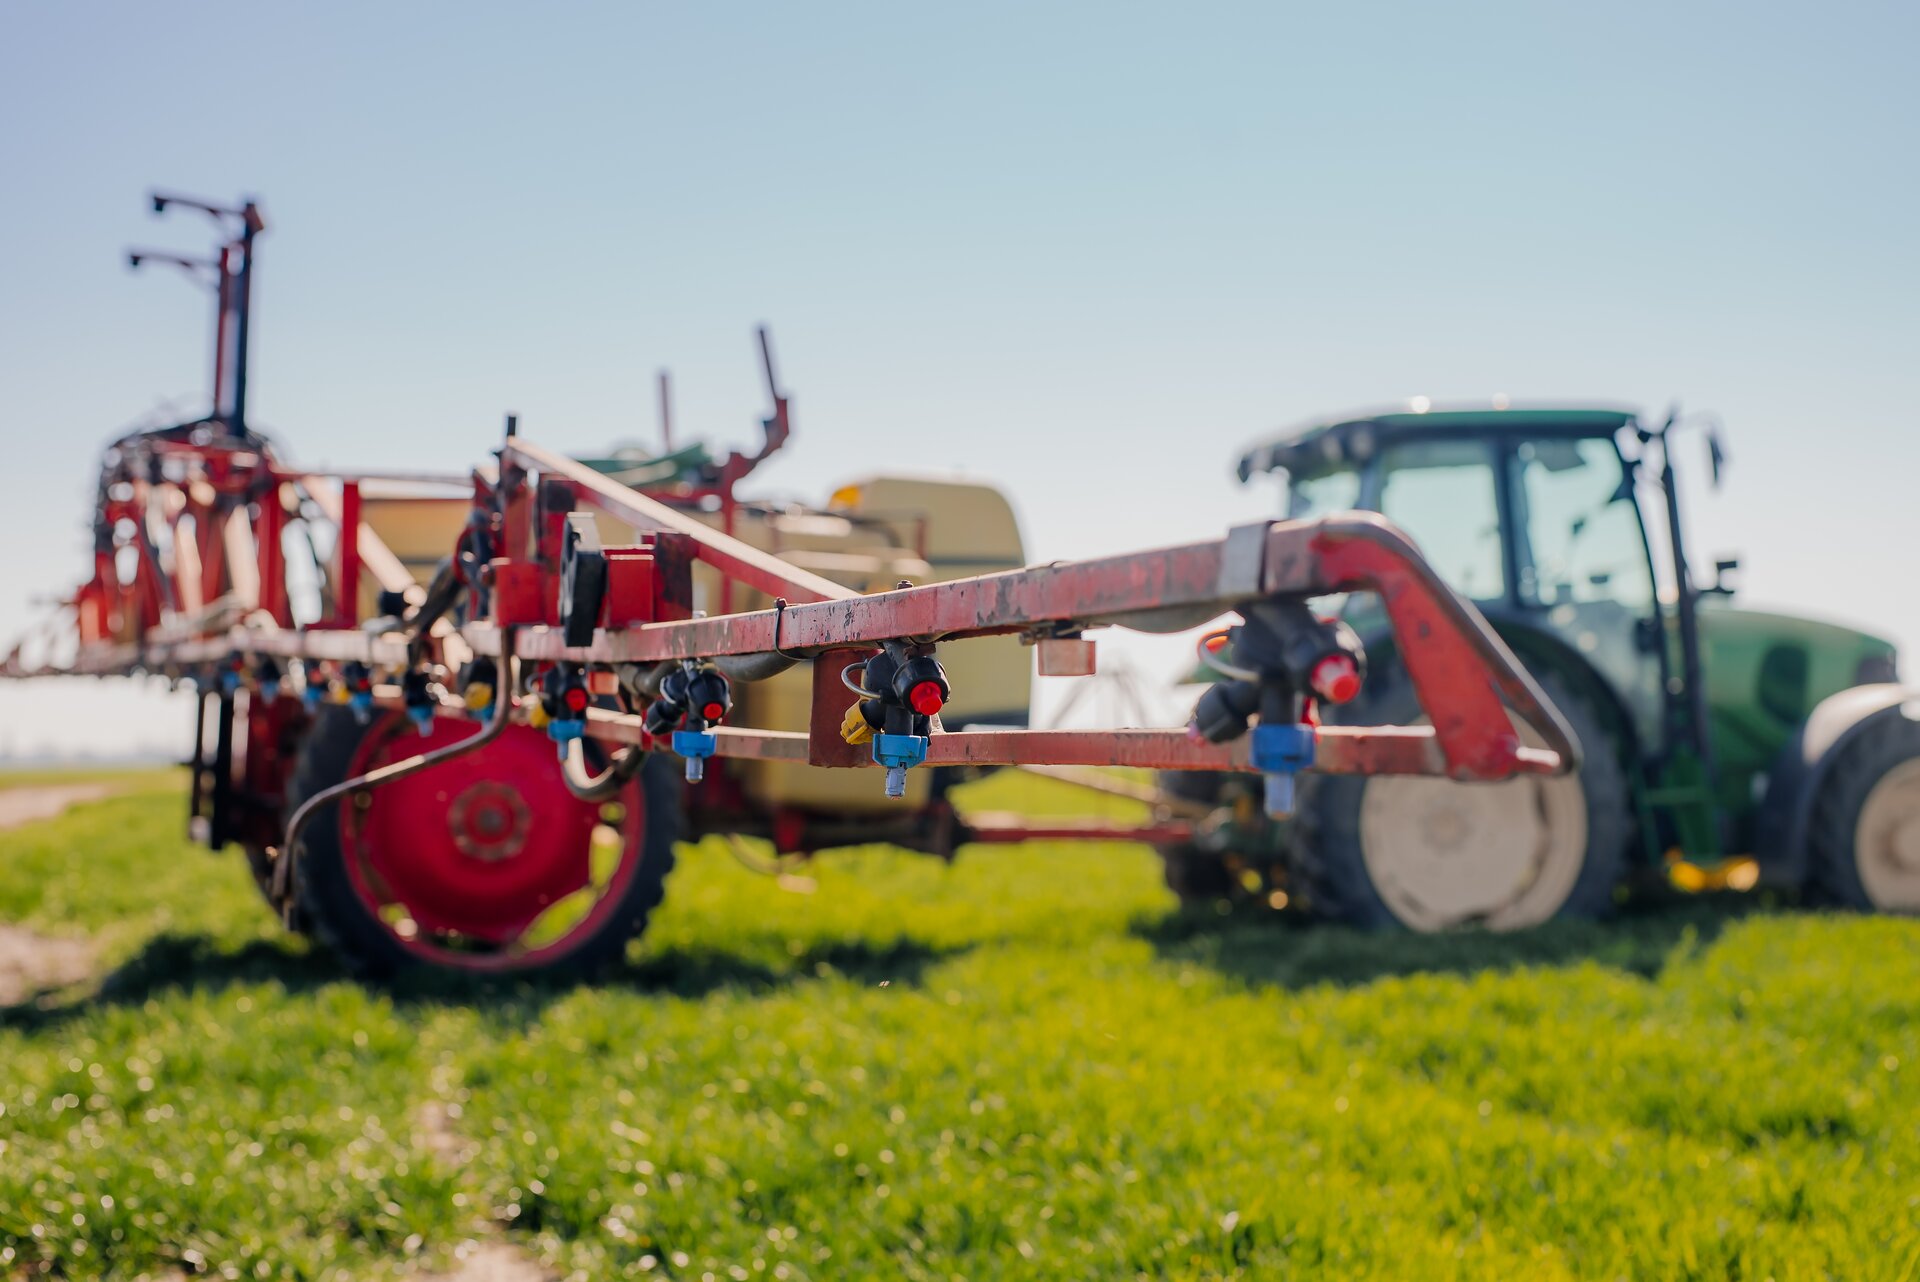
[{"x": 606, "y": 785}]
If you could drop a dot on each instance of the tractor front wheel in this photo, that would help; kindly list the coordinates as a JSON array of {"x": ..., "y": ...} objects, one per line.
[
  {"x": 483, "y": 863},
  {"x": 1866, "y": 820}
]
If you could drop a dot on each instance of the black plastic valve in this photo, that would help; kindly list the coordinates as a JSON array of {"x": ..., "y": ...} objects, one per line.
[{"x": 709, "y": 698}]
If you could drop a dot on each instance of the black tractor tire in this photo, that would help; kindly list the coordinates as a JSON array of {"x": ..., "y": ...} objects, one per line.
[
  {"x": 336, "y": 917},
  {"x": 1839, "y": 870},
  {"x": 1329, "y": 867}
]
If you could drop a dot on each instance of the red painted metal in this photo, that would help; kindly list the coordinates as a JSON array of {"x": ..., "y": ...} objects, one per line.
[
  {"x": 273, "y": 728},
  {"x": 630, "y": 587},
  {"x": 1163, "y": 581},
  {"x": 269, "y": 530},
  {"x": 517, "y": 594},
  {"x": 825, "y": 747},
  {"x": 347, "y": 583}
]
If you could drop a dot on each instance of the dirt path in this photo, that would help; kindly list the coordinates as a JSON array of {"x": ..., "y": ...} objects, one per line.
[
  {"x": 24, "y": 805},
  {"x": 438, "y": 1124},
  {"x": 31, "y": 962},
  {"x": 492, "y": 1262}
]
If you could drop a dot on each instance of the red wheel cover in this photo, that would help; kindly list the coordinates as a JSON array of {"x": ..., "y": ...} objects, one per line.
[{"x": 479, "y": 845}]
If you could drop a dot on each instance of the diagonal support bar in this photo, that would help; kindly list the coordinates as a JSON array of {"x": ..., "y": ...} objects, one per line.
[{"x": 731, "y": 556}]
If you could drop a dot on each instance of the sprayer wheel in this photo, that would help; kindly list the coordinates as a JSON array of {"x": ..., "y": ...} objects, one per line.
[{"x": 484, "y": 863}]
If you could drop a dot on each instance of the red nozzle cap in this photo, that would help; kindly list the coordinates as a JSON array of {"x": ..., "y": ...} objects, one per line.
[
  {"x": 577, "y": 699},
  {"x": 1335, "y": 679},
  {"x": 713, "y": 712},
  {"x": 926, "y": 698}
]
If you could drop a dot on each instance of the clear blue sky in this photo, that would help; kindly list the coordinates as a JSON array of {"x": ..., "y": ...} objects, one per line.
[{"x": 1084, "y": 250}]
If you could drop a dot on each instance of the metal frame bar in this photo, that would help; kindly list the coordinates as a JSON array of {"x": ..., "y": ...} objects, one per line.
[{"x": 1464, "y": 676}]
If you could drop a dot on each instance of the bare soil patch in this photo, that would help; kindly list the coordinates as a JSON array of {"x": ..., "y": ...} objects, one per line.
[
  {"x": 33, "y": 963},
  {"x": 25, "y": 805},
  {"x": 492, "y": 1262}
]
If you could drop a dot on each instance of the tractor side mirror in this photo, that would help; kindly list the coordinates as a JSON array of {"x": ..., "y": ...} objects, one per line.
[
  {"x": 1716, "y": 456},
  {"x": 1721, "y": 569}
]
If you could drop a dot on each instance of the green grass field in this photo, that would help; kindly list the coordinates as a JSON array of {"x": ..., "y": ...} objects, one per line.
[{"x": 1025, "y": 1065}]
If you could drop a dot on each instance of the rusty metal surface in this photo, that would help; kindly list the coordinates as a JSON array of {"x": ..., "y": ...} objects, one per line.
[
  {"x": 1409, "y": 750},
  {"x": 1140, "y": 584},
  {"x": 1066, "y": 657},
  {"x": 994, "y": 828},
  {"x": 1107, "y": 783}
]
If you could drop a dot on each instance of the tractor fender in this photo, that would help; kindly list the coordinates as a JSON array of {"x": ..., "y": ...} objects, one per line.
[
  {"x": 1542, "y": 653},
  {"x": 1795, "y": 778}
]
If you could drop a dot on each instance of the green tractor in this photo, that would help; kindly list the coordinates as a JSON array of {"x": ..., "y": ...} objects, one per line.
[{"x": 1742, "y": 747}]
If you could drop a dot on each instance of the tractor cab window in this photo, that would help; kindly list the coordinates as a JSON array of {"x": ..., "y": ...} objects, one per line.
[
  {"x": 1579, "y": 541},
  {"x": 1310, "y": 496},
  {"x": 1442, "y": 493}
]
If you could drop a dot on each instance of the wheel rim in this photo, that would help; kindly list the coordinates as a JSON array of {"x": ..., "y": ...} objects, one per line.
[
  {"x": 1502, "y": 855},
  {"x": 486, "y": 861},
  {"x": 1886, "y": 840}
]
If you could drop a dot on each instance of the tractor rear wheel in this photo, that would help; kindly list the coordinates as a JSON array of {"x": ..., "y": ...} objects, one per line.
[
  {"x": 1426, "y": 854},
  {"x": 484, "y": 863},
  {"x": 1865, "y": 832}
]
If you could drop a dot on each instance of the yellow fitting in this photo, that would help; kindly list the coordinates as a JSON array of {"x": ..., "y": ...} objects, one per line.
[
  {"x": 854, "y": 728},
  {"x": 337, "y": 694},
  {"x": 479, "y": 695},
  {"x": 1736, "y": 872},
  {"x": 537, "y": 714}
]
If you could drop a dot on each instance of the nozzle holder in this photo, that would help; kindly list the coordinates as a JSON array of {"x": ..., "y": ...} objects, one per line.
[
  {"x": 1280, "y": 751},
  {"x": 695, "y": 746},
  {"x": 905, "y": 688},
  {"x": 416, "y": 695},
  {"x": 899, "y": 753},
  {"x": 565, "y": 732}
]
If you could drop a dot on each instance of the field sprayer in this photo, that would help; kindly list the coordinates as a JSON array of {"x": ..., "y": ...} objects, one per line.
[
  {"x": 1708, "y": 731},
  {"x": 488, "y": 769}
]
